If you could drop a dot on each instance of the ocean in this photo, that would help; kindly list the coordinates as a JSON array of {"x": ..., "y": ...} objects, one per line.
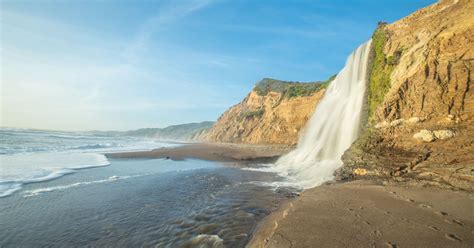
[
  {"x": 30, "y": 156},
  {"x": 58, "y": 190}
]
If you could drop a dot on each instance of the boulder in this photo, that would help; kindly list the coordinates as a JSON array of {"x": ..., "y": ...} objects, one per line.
[
  {"x": 414, "y": 120},
  {"x": 383, "y": 124},
  {"x": 396, "y": 122},
  {"x": 444, "y": 134},
  {"x": 360, "y": 172},
  {"x": 425, "y": 135}
]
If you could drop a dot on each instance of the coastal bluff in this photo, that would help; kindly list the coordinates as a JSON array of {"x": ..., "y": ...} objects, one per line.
[
  {"x": 274, "y": 112},
  {"x": 409, "y": 177},
  {"x": 420, "y": 103}
]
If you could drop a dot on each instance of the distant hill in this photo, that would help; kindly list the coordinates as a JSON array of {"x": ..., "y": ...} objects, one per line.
[{"x": 181, "y": 132}]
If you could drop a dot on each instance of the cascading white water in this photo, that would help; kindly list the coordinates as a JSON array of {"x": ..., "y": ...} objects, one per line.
[{"x": 332, "y": 128}]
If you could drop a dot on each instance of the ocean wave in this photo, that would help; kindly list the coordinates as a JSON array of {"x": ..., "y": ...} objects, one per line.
[
  {"x": 8, "y": 189},
  {"x": 75, "y": 137},
  {"x": 95, "y": 146},
  {"x": 39, "y": 191},
  {"x": 18, "y": 170},
  {"x": 30, "y": 156}
]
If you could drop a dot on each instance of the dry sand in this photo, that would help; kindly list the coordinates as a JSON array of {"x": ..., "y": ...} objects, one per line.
[{"x": 362, "y": 214}]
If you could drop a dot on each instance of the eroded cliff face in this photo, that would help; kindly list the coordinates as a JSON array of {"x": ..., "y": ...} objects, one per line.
[
  {"x": 420, "y": 100},
  {"x": 274, "y": 116}
]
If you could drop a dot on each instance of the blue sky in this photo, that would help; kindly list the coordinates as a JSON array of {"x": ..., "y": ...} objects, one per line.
[{"x": 116, "y": 65}]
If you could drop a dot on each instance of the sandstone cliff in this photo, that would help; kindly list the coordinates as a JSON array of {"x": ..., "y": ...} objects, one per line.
[
  {"x": 420, "y": 102},
  {"x": 273, "y": 113}
]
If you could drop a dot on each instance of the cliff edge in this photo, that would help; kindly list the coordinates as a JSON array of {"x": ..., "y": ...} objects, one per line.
[{"x": 274, "y": 112}]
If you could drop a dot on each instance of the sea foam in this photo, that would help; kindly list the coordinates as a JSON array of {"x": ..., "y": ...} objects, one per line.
[
  {"x": 31, "y": 156},
  {"x": 20, "y": 169},
  {"x": 35, "y": 192}
]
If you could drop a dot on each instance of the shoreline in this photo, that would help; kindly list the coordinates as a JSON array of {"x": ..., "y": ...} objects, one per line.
[
  {"x": 358, "y": 213},
  {"x": 219, "y": 152}
]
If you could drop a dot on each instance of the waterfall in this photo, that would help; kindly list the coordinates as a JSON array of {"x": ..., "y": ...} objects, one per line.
[{"x": 332, "y": 128}]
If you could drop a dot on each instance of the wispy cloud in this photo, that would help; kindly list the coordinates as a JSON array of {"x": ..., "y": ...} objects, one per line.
[
  {"x": 165, "y": 16},
  {"x": 123, "y": 63},
  {"x": 57, "y": 74}
]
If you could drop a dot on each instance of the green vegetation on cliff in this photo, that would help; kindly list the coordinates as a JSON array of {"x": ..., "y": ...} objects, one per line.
[
  {"x": 382, "y": 67},
  {"x": 252, "y": 114},
  {"x": 290, "y": 89}
]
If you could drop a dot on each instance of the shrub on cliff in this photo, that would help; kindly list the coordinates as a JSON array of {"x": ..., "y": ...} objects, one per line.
[
  {"x": 290, "y": 89},
  {"x": 382, "y": 67},
  {"x": 252, "y": 114}
]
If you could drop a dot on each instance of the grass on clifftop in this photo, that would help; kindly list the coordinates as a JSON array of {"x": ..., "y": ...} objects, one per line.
[
  {"x": 290, "y": 89},
  {"x": 382, "y": 67}
]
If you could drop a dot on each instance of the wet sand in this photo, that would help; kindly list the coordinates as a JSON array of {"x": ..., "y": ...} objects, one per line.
[
  {"x": 141, "y": 203},
  {"x": 362, "y": 214},
  {"x": 212, "y": 152},
  {"x": 354, "y": 214}
]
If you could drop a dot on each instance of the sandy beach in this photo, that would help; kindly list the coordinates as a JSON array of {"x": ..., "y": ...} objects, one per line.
[
  {"x": 231, "y": 124},
  {"x": 363, "y": 214},
  {"x": 352, "y": 214},
  {"x": 213, "y": 152}
]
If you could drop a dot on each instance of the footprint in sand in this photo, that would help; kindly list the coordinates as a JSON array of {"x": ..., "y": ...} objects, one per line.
[
  {"x": 391, "y": 245},
  {"x": 452, "y": 237},
  {"x": 442, "y": 213},
  {"x": 433, "y": 227},
  {"x": 458, "y": 222},
  {"x": 425, "y": 206}
]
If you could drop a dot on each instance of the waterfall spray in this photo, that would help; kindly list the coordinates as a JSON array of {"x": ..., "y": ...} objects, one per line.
[{"x": 332, "y": 128}]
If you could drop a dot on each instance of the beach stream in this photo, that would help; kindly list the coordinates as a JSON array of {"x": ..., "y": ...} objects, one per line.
[{"x": 141, "y": 202}]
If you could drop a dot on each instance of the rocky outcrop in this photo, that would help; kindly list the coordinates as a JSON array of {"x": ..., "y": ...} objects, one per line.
[
  {"x": 425, "y": 135},
  {"x": 273, "y": 113},
  {"x": 420, "y": 99}
]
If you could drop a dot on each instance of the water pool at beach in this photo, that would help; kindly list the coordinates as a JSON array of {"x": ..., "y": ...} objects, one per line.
[{"x": 153, "y": 203}]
